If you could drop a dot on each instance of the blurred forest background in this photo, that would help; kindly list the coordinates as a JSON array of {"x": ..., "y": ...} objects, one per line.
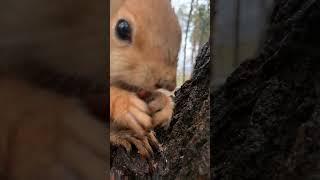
[
  {"x": 240, "y": 26},
  {"x": 194, "y": 18},
  {"x": 239, "y": 29}
]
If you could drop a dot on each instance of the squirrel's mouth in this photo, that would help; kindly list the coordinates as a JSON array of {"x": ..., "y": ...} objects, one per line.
[
  {"x": 141, "y": 92},
  {"x": 65, "y": 84},
  {"x": 92, "y": 93}
]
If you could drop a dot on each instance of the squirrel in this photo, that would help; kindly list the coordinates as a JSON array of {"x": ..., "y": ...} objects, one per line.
[
  {"x": 52, "y": 58},
  {"x": 145, "y": 40}
]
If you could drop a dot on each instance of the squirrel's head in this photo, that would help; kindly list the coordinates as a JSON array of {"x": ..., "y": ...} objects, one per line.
[{"x": 145, "y": 40}]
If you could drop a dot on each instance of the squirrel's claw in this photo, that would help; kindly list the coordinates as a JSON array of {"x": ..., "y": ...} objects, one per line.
[{"x": 143, "y": 144}]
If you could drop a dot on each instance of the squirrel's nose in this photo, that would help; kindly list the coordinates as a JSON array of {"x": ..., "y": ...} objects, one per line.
[{"x": 166, "y": 84}]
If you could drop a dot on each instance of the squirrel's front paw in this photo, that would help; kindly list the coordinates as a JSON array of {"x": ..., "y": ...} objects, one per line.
[
  {"x": 144, "y": 144},
  {"x": 130, "y": 112},
  {"x": 161, "y": 107}
]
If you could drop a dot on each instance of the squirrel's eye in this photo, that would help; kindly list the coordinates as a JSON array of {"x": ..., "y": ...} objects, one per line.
[{"x": 123, "y": 30}]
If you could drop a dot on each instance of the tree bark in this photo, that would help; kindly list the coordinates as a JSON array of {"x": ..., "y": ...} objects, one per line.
[
  {"x": 186, "y": 143},
  {"x": 266, "y": 117}
]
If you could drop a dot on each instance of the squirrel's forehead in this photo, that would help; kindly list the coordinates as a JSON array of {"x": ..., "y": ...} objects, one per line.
[
  {"x": 154, "y": 18},
  {"x": 150, "y": 9}
]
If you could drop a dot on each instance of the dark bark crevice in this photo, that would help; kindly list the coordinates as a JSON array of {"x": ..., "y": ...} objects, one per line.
[{"x": 266, "y": 117}]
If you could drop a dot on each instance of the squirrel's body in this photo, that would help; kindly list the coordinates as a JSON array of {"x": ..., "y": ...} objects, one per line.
[
  {"x": 51, "y": 49},
  {"x": 48, "y": 51},
  {"x": 144, "y": 43}
]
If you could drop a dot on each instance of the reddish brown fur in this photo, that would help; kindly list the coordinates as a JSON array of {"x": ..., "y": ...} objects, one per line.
[
  {"x": 43, "y": 134},
  {"x": 47, "y": 136},
  {"x": 150, "y": 58}
]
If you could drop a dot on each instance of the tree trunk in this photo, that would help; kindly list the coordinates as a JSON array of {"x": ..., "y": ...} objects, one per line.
[
  {"x": 186, "y": 142},
  {"x": 237, "y": 19},
  {"x": 266, "y": 117},
  {"x": 186, "y": 42},
  {"x": 193, "y": 52}
]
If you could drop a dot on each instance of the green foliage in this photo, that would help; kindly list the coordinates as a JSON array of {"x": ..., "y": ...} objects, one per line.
[
  {"x": 200, "y": 21},
  {"x": 198, "y": 33}
]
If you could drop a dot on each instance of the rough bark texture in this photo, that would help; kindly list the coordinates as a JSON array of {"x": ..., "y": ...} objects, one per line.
[
  {"x": 186, "y": 142},
  {"x": 266, "y": 117}
]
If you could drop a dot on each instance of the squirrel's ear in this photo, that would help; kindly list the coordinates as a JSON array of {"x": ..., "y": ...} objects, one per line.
[{"x": 115, "y": 5}]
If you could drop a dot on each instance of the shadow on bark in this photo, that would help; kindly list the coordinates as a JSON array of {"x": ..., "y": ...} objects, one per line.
[{"x": 266, "y": 117}]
